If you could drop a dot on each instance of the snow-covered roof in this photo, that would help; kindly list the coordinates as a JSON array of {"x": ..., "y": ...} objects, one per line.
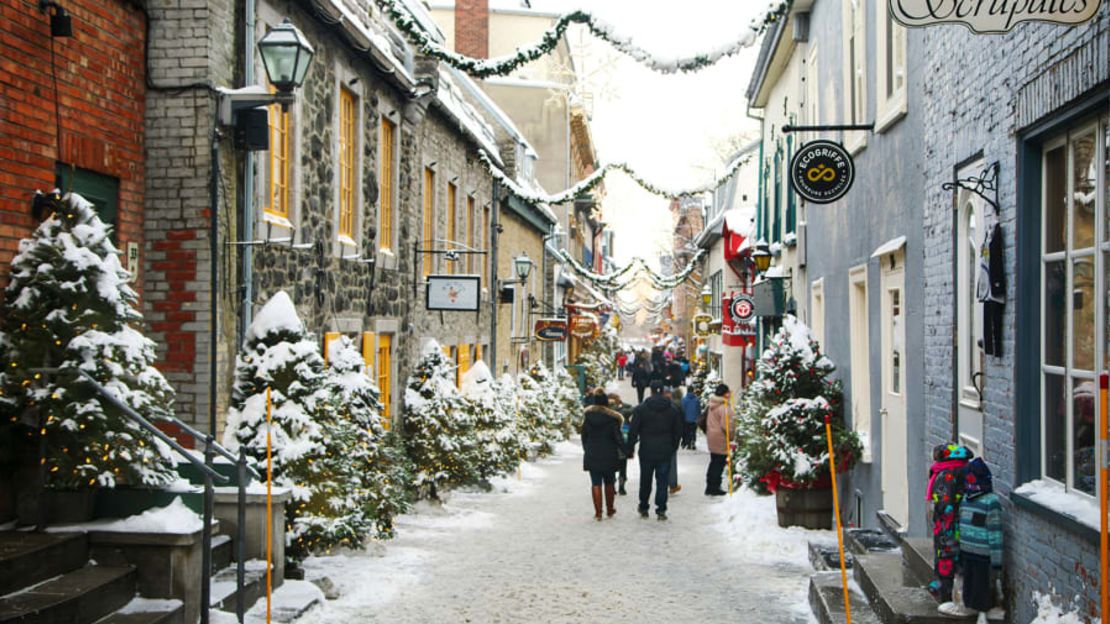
[
  {"x": 739, "y": 220},
  {"x": 490, "y": 107},
  {"x": 366, "y": 34},
  {"x": 422, "y": 17},
  {"x": 449, "y": 96},
  {"x": 889, "y": 247}
]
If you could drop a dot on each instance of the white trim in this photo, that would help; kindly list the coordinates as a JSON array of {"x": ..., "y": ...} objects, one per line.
[
  {"x": 817, "y": 310},
  {"x": 854, "y": 28},
  {"x": 859, "y": 330},
  {"x": 344, "y": 74},
  {"x": 889, "y": 110},
  {"x": 891, "y": 246}
]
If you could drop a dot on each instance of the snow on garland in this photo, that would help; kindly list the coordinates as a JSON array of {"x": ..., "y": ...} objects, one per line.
[
  {"x": 624, "y": 276},
  {"x": 587, "y": 184},
  {"x": 501, "y": 66}
]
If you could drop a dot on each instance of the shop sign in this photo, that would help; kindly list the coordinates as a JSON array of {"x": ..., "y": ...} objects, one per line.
[
  {"x": 734, "y": 331},
  {"x": 583, "y": 325},
  {"x": 701, "y": 324},
  {"x": 742, "y": 309},
  {"x": 551, "y": 330},
  {"x": 822, "y": 171},
  {"x": 996, "y": 16},
  {"x": 456, "y": 293}
]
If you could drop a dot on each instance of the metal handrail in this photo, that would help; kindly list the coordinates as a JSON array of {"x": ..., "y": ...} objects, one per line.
[{"x": 216, "y": 446}]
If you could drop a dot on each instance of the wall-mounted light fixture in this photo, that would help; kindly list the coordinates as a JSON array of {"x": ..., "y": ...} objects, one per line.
[{"x": 61, "y": 25}]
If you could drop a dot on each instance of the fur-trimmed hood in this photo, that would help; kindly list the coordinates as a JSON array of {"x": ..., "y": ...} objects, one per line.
[
  {"x": 715, "y": 400},
  {"x": 602, "y": 410}
]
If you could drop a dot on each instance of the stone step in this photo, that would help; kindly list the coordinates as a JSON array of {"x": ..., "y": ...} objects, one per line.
[
  {"x": 917, "y": 553},
  {"x": 78, "y": 597},
  {"x": 27, "y": 558},
  {"x": 895, "y": 593},
  {"x": 863, "y": 541},
  {"x": 224, "y": 589},
  {"x": 826, "y": 599},
  {"x": 222, "y": 554},
  {"x": 826, "y": 556},
  {"x": 144, "y": 611}
]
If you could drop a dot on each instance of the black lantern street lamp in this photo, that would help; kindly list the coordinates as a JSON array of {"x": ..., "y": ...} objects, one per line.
[
  {"x": 523, "y": 266},
  {"x": 762, "y": 256},
  {"x": 286, "y": 55}
]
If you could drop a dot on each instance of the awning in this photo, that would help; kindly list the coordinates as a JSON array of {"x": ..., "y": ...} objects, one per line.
[
  {"x": 889, "y": 247},
  {"x": 736, "y": 231}
]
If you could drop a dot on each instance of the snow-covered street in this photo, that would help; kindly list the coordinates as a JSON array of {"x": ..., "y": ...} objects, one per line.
[{"x": 531, "y": 552}]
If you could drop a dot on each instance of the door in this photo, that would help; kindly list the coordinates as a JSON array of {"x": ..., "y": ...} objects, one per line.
[{"x": 893, "y": 411}]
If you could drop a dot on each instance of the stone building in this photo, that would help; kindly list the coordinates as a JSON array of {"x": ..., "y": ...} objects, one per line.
[
  {"x": 1034, "y": 104},
  {"x": 688, "y": 219},
  {"x": 371, "y": 182}
]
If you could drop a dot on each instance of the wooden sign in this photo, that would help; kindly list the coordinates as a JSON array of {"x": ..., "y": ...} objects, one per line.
[
  {"x": 583, "y": 325},
  {"x": 992, "y": 17},
  {"x": 551, "y": 330}
]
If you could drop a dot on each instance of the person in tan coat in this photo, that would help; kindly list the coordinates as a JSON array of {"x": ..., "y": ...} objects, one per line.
[{"x": 719, "y": 417}]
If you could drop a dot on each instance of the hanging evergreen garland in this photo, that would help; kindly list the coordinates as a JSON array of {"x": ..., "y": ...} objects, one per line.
[
  {"x": 621, "y": 278},
  {"x": 590, "y": 182},
  {"x": 504, "y": 65}
]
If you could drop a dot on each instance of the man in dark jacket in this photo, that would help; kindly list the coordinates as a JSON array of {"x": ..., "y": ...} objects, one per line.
[
  {"x": 657, "y": 426},
  {"x": 640, "y": 379}
]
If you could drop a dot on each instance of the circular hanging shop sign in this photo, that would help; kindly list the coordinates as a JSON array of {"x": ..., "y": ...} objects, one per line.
[
  {"x": 822, "y": 171},
  {"x": 742, "y": 309}
]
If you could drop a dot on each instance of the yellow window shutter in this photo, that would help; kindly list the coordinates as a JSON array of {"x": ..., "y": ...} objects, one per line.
[
  {"x": 329, "y": 337},
  {"x": 369, "y": 351}
]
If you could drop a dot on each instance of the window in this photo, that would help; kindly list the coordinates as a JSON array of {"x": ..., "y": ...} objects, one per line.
[
  {"x": 855, "y": 69},
  {"x": 891, "y": 55},
  {"x": 452, "y": 222},
  {"x": 470, "y": 217},
  {"x": 386, "y": 191},
  {"x": 369, "y": 346},
  {"x": 347, "y": 166},
  {"x": 860, "y": 352},
  {"x": 716, "y": 285},
  {"x": 776, "y": 215},
  {"x": 277, "y": 204},
  {"x": 969, "y": 326},
  {"x": 429, "y": 220},
  {"x": 894, "y": 300},
  {"x": 1075, "y": 168},
  {"x": 791, "y": 198},
  {"x": 385, "y": 363},
  {"x": 817, "y": 311},
  {"x": 100, "y": 190},
  {"x": 485, "y": 247}
]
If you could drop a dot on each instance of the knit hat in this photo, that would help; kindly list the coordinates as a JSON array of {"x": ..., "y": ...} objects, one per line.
[
  {"x": 978, "y": 479},
  {"x": 721, "y": 390},
  {"x": 943, "y": 452}
]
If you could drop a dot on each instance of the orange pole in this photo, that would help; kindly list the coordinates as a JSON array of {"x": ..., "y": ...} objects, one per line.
[
  {"x": 269, "y": 507},
  {"x": 728, "y": 442},
  {"x": 839, "y": 531},
  {"x": 1104, "y": 487}
]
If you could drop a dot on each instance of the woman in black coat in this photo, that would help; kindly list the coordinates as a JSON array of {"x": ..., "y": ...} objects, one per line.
[{"x": 603, "y": 445}]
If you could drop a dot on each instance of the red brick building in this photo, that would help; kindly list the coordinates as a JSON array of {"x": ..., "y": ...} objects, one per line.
[{"x": 73, "y": 118}]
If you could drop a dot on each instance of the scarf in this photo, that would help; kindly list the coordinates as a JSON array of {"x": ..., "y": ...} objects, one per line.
[{"x": 939, "y": 467}]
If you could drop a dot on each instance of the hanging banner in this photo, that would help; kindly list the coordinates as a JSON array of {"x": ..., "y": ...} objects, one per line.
[
  {"x": 456, "y": 293},
  {"x": 701, "y": 324},
  {"x": 583, "y": 325},
  {"x": 551, "y": 330},
  {"x": 822, "y": 171},
  {"x": 991, "y": 17},
  {"x": 738, "y": 321}
]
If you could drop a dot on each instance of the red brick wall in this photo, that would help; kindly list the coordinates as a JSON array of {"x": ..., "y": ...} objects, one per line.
[
  {"x": 472, "y": 28},
  {"x": 101, "y": 84}
]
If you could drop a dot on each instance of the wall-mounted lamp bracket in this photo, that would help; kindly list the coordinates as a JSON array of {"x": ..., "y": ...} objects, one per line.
[{"x": 985, "y": 185}]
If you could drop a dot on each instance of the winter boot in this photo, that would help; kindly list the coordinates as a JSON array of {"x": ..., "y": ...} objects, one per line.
[
  {"x": 610, "y": 497},
  {"x": 596, "y": 492},
  {"x": 621, "y": 490}
]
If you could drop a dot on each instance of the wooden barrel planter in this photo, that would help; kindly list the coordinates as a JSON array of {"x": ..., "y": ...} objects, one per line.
[{"x": 810, "y": 508}]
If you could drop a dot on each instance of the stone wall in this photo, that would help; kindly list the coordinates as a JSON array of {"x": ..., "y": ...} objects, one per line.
[{"x": 982, "y": 99}]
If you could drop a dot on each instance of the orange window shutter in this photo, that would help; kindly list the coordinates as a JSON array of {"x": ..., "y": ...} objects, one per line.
[
  {"x": 369, "y": 351},
  {"x": 346, "y": 164},
  {"x": 385, "y": 356},
  {"x": 329, "y": 337},
  {"x": 429, "y": 219},
  {"x": 385, "y": 181}
]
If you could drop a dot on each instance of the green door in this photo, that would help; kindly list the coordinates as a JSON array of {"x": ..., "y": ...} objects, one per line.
[{"x": 101, "y": 190}]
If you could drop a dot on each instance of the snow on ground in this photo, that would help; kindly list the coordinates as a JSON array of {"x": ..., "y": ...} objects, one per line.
[
  {"x": 530, "y": 551},
  {"x": 173, "y": 518},
  {"x": 1048, "y": 612}
]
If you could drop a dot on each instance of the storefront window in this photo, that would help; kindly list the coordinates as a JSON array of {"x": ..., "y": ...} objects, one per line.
[{"x": 1073, "y": 271}]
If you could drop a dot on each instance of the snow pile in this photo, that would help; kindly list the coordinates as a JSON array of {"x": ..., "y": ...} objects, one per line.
[
  {"x": 749, "y": 522},
  {"x": 278, "y": 315},
  {"x": 287, "y": 602},
  {"x": 1056, "y": 498},
  {"x": 1049, "y": 613},
  {"x": 139, "y": 604},
  {"x": 173, "y": 518}
]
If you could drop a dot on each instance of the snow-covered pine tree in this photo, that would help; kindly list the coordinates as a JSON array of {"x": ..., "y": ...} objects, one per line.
[
  {"x": 506, "y": 396},
  {"x": 69, "y": 306},
  {"x": 375, "y": 455},
  {"x": 495, "y": 427},
  {"x": 781, "y": 415},
  {"x": 438, "y": 427},
  {"x": 310, "y": 440},
  {"x": 568, "y": 402},
  {"x": 599, "y": 359},
  {"x": 537, "y": 415}
]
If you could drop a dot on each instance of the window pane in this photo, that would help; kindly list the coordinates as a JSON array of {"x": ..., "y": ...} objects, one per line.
[
  {"x": 1055, "y": 427},
  {"x": 1055, "y": 313},
  {"x": 1055, "y": 201},
  {"x": 1084, "y": 181},
  {"x": 1083, "y": 313},
  {"x": 1083, "y": 426}
]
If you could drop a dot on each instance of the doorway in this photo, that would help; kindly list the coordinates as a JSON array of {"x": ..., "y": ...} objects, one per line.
[{"x": 893, "y": 411}]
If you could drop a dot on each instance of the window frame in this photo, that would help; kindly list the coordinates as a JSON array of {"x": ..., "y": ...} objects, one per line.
[
  {"x": 859, "y": 356},
  {"x": 471, "y": 218},
  {"x": 281, "y": 131},
  {"x": 969, "y": 311},
  {"x": 384, "y": 368},
  {"x": 428, "y": 219},
  {"x": 348, "y": 144},
  {"x": 452, "y": 235},
  {"x": 893, "y": 107},
  {"x": 855, "y": 66},
  {"x": 387, "y": 230}
]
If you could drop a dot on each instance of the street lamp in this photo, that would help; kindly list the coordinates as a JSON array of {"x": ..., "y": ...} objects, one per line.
[
  {"x": 762, "y": 256},
  {"x": 706, "y": 295},
  {"x": 286, "y": 55},
  {"x": 523, "y": 266}
]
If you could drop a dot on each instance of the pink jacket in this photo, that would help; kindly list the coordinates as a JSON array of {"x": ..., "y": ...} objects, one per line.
[{"x": 719, "y": 414}]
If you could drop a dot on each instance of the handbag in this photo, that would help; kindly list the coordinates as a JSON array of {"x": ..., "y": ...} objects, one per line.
[{"x": 703, "y": 420}]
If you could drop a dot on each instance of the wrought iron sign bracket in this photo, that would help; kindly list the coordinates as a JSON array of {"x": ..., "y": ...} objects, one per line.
[
  {"x": 829, "y": 128},
  {"x": 985, "y": 185},
  {"x": 452, "y": 255}
]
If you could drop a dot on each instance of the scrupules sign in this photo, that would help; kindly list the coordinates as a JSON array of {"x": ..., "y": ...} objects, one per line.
[{"x": 992, "y": 16}]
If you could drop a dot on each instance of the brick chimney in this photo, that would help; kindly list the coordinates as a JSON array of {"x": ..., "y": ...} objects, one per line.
[{"x": 472, "y": 28}]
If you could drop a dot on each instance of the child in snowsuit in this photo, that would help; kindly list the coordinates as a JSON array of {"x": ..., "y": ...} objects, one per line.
[
  {"x": 980, "y": 543},
  {"x": 945, "y": 492}
]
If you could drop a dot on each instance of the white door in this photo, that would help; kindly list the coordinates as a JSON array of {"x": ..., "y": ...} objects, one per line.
[
  {"x": 894, "y": 469},
  {"x": 973, "y": 223}
]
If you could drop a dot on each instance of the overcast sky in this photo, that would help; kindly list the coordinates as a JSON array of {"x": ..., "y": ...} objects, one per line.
[{"x": 668, "y": 127}]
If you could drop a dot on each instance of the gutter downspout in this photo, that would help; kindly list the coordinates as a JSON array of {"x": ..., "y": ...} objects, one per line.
[
  {"x": 494, "y": 291},
  {"x": 247, "y": 259}
]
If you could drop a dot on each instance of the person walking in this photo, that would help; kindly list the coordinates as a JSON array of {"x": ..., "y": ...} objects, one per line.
[
  {"x": 602, "y": 443},
  {"x": 657, "y": 427},
  {"x": 675, "y": 395},
  {"x": 691, "y": 409},
  {"x": 720, "y": 426},
  {"x": 622, "y": 360},
  {"x": 640, "y": 379},
  {"x": 617, "y": 405}
]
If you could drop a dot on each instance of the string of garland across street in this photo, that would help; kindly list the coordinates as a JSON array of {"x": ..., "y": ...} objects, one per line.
[
  {"x": 621, "y": 278},
  {"x": 504, "y": 65}
]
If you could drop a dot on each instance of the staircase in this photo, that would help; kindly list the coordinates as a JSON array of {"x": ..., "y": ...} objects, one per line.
[
  {"x": 889, "y": 578},
  {"x": 49, "y": 578}
]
